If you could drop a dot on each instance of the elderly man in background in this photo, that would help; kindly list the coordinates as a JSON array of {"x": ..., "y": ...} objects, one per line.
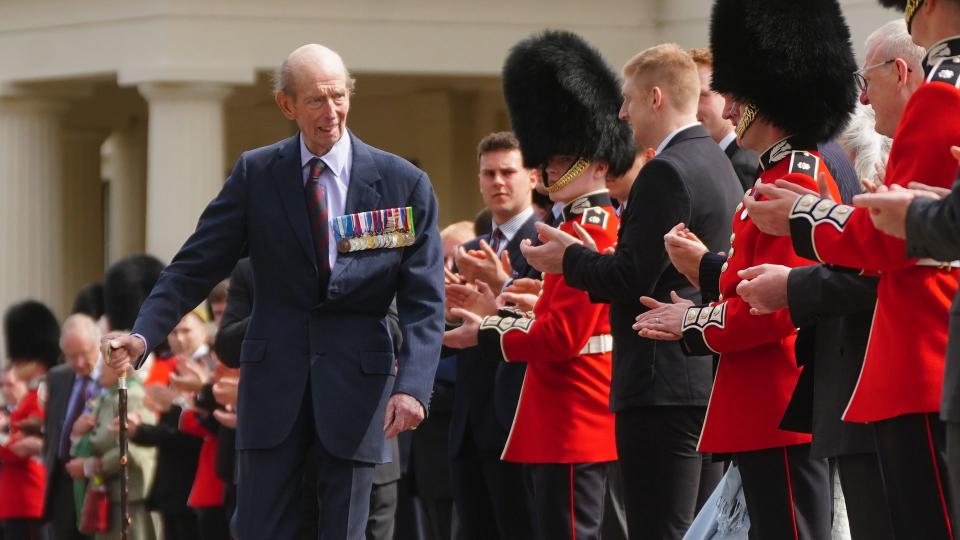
[{"x": 69, "y": 388}]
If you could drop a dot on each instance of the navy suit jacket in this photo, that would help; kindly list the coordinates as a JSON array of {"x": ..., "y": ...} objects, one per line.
[{"x": 339, "y": 348}]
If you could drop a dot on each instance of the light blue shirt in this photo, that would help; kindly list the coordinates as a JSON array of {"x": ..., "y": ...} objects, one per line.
[
  {"x": 510, "y": 227},
  {"x": 335, "y": 179}
]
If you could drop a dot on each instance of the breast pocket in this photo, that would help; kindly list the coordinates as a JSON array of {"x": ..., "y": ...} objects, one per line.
[{"x": 252, "y": 350}]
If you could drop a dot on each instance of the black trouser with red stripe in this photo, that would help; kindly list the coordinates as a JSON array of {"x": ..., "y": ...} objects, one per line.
[
  {"x": 913, "y": 464},
  {"x": 788, "y": 493},
  {"x": 566, "y": 499}
]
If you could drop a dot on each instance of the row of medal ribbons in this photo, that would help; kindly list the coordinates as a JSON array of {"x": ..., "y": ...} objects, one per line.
[{"x": 386, "y": 228}]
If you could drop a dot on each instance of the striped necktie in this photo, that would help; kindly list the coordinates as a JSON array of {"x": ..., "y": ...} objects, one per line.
[{"x": 317, "y": 211}]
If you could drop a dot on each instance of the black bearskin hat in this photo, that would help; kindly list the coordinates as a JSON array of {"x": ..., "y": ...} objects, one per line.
[
  {"x": 89, "y": 300},
  {"x": 127, "y": 284},
  {"x": 792, "y": 60},
  {"x": 33, "y": 333},
  {"x": 564, "y": 100}
]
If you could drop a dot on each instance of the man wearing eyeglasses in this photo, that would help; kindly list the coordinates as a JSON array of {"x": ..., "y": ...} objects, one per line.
[
  {"x": 899, "y": 388},
  {"x": 890, "y": 74}
]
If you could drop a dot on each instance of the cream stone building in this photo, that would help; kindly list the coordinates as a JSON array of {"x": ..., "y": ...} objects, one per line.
[{"x": 119, "y": 119}]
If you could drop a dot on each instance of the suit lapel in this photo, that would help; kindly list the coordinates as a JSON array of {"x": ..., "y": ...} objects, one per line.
[
  {"x": 287, "y": 171},
  {"x": 527, "y": 230},
  {"x": 732, "y": 149},
  {"x": 362, "y": 194}
]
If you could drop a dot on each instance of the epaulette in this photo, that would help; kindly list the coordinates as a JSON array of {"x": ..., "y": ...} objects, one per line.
[
  {"x": 804, "y": 162},
  {"x": 947, "y": 70}
]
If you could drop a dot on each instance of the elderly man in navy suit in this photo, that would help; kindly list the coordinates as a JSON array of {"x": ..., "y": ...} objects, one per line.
[{"x": 335, "y": 230}]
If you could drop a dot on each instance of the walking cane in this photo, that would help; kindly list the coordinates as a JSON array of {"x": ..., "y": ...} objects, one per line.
[{"x": 124, "y": 472}]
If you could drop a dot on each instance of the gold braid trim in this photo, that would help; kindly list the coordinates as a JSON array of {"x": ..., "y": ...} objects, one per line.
[
  {"x": 572, "y": 173},
  {"x": 747, "y": 117}
]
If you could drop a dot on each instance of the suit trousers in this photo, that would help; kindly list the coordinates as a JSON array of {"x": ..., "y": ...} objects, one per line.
[
  {"x": 270, "y": 487},
  {"x": 566, "y": 499},
  {"x": 663, "y": 474},
  {"x": 865, "y": 497},
  {"x": 789, "y": 494},
  {"x": 489, "y": 496},
  {"x": 911, "y": 451}
]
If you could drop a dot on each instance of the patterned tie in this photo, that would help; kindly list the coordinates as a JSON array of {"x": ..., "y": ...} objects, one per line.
[
  {"x": 74, "y": 408},
  {"x": 317, "y": 211},
  {"x": 496, "y": 238}
]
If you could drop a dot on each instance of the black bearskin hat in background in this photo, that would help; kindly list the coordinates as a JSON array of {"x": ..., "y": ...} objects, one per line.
[
  {"x": 791, "y": 59},
  {"x": 127, "y": 284},
  {"x": 564, "y": 100},
  {"x": 89, "y": 300},
  {"x": 33, "y": 333}
]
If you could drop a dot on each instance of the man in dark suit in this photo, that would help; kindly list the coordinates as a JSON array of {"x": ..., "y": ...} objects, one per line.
[
  {"x": 489, "y": 493},
  {"x": 69, "y": 386},
  {"x": 710, "y": 113},
  {"x": 658, "y": 394},
  {"x": 317, "y": 362},
  {"x": 228, "y": 343}
]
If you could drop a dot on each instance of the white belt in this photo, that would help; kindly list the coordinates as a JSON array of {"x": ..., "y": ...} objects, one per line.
[
  {"x": 938, "y": 264},
  {"x": 598, "y": 345}
]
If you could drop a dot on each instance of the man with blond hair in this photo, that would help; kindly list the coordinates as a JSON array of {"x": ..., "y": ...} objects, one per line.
[{"x": 658, "y": 393}]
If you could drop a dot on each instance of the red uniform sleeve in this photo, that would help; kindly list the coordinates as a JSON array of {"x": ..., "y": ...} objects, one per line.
[{"x": 842, "y": 235}]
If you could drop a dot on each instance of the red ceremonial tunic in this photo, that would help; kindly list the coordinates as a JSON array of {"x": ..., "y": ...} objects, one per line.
[
  {"x": 903, "y": 369},
  {"x": 22, "y": 480},
  {"x": 757, "y": 372},
  {"x": 563, "y": 415}
]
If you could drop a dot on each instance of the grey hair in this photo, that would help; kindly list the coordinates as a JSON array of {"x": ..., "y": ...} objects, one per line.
[
  {"x": 867, "y": 149},
  {"x": 283, "y": 80},
  {"x": 893, "y": 41},
  {"x": 80, "y": 323}
]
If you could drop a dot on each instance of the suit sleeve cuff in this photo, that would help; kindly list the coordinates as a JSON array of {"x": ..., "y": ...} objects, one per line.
[
  {"x": 916, "y": 224},
  {"x": 146, "y": 352}
]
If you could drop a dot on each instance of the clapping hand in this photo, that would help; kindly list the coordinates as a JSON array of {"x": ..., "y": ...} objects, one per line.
[{"x": 663, "y": 321}]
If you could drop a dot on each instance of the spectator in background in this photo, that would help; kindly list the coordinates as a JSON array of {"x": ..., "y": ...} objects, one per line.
[
  {"x": 453, "y": 236},
  {"x": 98, "y": 459},
  {"x": 12, "y": 391},
  {"x": 620, "y": 186},
  {"x": 69, "y": 388},
  {"x": 483, "y": 223},
  {"x": 32, "y": 346},
  {"x": 710, "y": 114},
  {"x": 867, "y": 149}
]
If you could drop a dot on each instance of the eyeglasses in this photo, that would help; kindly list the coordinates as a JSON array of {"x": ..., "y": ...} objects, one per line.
[{"x": 862, "y": 81}]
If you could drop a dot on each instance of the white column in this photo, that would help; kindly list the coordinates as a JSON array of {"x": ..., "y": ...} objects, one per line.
[
  {"x": 185, "y": 159},
  {"x": 31, "y": 202},
  {"x": 82, "y": 209},
  {"x": 125, "y": 169}
]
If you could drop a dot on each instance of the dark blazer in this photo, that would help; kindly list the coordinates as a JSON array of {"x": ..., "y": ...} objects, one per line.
[
  {"x": 933, "y": 230},
  {"x": 177, "y": 457},
  {"x": 745, "y": 163},
  {"x": 691, "y": 181},
  {"x": 339, "y": 341},
  {"x": 229, "y": 340},
  {"x": 486, "y": 393},
  {"x": 835, "y": 308}
]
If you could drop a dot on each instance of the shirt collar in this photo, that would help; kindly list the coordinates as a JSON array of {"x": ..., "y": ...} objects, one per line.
[
  {"x": 335, "y": 160},
  {"x": 510, "y": 227},
  {"x": 728, "y": 140},
  {"x": 668, "y": 138}
]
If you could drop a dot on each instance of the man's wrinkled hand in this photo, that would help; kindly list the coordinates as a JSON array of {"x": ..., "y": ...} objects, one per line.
[
  {"x": 403, "y": 413},
  {"x": 764, "y": 287},
  {"x": 120, "y": 351}
]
